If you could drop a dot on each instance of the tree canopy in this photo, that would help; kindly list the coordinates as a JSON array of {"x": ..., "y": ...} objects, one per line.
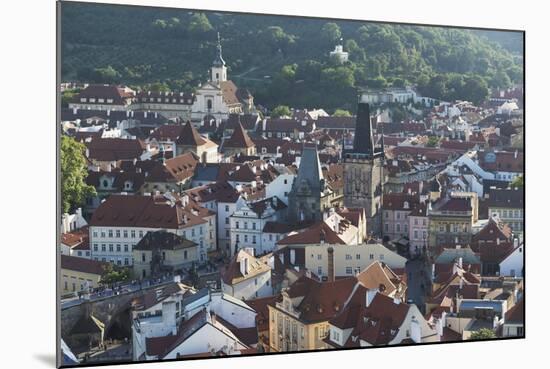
[
  {"x": 74, "y": 189},
  {"x": 483, "y": 334},
  {"x": 283, "y": 61}
]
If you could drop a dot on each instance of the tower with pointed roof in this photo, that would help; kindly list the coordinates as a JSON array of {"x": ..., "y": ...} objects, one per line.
[
  {"x": 239, "y": 143},
  {"x": 363, "y": 172},
  {"x": 218, "y": 71},
  {"x": 309, "y": 195}
]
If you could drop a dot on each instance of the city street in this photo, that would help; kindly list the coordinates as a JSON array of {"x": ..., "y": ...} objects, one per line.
[{"x": 418, "y": 274}]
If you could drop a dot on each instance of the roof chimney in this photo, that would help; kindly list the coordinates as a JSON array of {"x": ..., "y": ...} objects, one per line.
[{"x": 330, "y": 252}]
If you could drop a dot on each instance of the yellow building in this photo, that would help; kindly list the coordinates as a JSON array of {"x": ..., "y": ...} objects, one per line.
[
  {"x": 300, "y": 320},
  {"x": 77, "y": 274}
]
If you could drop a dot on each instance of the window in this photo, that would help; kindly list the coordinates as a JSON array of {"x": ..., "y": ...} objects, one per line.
[
  {"x": 126, "y": 261},
  {"x": 95, "y": 233},
  {"x": 118, "y": 247},
  {"x": 102, "y": 234},
  {"x": 227, "y": 233},
  {"x": 226, "y": 220},
  {"x": 381, "y": 256},
  {"x": 95, "y": 247},
  {"x": 237, "y": 225},
  {"x": 143, "y": 257},
  {"x": 415, "y": 234},
  {"x": 349, "y": 270},
  {"x": 140, "y": 234},
  {"x": 415, "y": 221},
  {"x": 254, "y": 239},
  {"x": 348, "y": 257},
  {"x": 254, "y": 225},
  {"x": 117, "y": 233},
  {"x": 110, "y": 233},
  {"x": 103, "y": 247},
  {"x": 371, "y": 256},
  {"x": 133, "y": 234},
  {"x": 185, "y": 254},
  {"x": 320, "y": 270},
  {"x": 319, "y": 256},
  {"x": 358, "y": 256},
  {"x": 226, "y": 208},
  {"x": 126, "y": 247},
  {"x": 209, "y": 104},
  {"x": 118, "y": 262},
  {"x": 245, "y": 225},
  {"x": 125, "y": 233},
  {"x": 111, "y": 247},
  {"x": 398, "y": 227},
  {"x": 245, "y": 238}
]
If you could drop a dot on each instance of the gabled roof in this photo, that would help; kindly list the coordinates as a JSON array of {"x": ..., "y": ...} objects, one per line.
[
  {"x": 516, "y": 314},
  {"x": 164, "y": 241},
  {"x": 233, "y": 275},
  {"x": 321, "y": 300},
  {"x": 82, "y": 265},
  {"x": 379, "y": 276},
  {"x": 114, "y": 149},
  {"x": 239, "y": 139},
  {"x": 176, "y": 169},
  {"x": 189, "y": 136}
]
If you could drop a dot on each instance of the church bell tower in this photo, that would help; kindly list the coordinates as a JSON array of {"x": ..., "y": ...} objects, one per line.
[{"x": 218, "y": 72}]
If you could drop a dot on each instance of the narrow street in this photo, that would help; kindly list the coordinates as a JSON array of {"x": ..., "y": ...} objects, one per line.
[{"x": 418, "y": 274}]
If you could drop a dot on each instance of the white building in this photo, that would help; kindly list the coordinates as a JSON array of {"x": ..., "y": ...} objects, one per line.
[
  {"x": 248, "y": 221},
  {"x": 121, "y": 221},
  {"x": 512, "y": 265},
  {"x": 339, "y": 54},
  {"x": 175, "y": 321},
  {"x": 246, "y": 277},
  {"x": 280, "y": 187},
  {"x": 348, "y": 260}
]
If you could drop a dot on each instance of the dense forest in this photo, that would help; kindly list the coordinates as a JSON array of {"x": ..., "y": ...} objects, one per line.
[{"x": 283, "y": 60}]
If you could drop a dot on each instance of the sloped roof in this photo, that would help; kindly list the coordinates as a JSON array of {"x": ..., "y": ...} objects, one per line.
[
  {"x": 239, "y": 139},
  {"x": 189, "y": 136}
]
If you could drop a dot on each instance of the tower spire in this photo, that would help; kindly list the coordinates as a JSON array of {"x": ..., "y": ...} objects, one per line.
[
  {"x": 219, "y": 62},
  {"x": 363, "y": 142}
]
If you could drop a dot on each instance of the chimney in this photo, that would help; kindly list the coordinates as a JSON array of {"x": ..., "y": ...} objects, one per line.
[
  {"x": 108, "y": 112},
  {"x": 330, "y": 252},
  {"x": 292, "y": 256},
  {"x": 460, "y": 262},
  {"x": 416, "y": 335},
  {"x": 243, "y": 265}
]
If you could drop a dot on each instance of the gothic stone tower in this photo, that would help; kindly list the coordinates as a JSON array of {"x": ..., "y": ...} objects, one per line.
[
  {"x": 363, "y": 174},
  {"x": 309, "y": 195}
]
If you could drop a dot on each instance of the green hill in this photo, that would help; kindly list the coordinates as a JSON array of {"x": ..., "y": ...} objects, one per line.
[{"x": 282, "y": 60}]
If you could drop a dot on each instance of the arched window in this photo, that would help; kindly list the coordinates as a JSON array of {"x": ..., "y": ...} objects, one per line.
[{"x": 209, "y": 104}]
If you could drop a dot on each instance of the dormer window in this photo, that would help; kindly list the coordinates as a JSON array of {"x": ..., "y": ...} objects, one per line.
[
  {"x": 100, "y": 100},
  {"x": 110, "y": 101},
  {"x": 92, "y": 99},
  {"x": 82, "y": 99}
]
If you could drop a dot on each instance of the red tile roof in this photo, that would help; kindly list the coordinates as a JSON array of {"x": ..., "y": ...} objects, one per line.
[
  {"x": 239, "y": 139},
  {"x": 82, "y": 265}
]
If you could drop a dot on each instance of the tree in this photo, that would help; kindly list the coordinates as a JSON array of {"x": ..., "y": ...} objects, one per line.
[
  {"x": 432, "y": 141},
  {"x": 279, "y": 111},
  {"x": 341, "y": 113},
  {"x": 517, "y": 182},
  {"x": 199, "y": 24},
  {"x": 114, "y": 274},
  {"x": 476, "y": 89},
  {"x": 330, "y": 33},
  {"x": 74, "y": 189},
  {"x": 483, "y": 334}
]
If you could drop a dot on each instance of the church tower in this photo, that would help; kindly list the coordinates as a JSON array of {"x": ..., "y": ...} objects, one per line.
[
  {"x": 218, "y": 72},
  {"x": 363, "y": 172}
]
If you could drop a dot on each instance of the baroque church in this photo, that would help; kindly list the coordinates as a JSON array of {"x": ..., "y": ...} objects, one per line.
[{"x": 219, "y": 96}]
